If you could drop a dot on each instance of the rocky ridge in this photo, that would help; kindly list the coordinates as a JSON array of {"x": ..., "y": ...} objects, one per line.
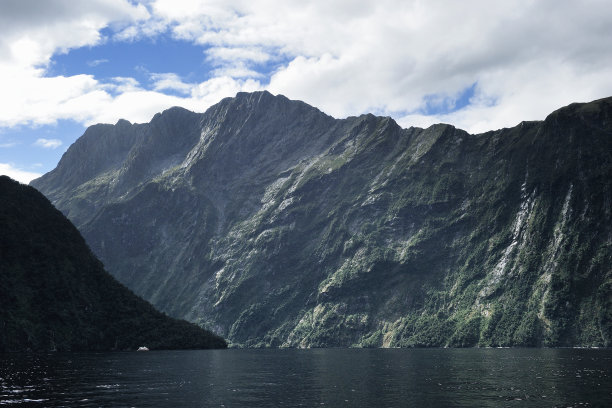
[{"x": 277, "y": 225}]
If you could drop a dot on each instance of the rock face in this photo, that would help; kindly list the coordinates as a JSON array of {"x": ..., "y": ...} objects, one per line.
[
  {"x": 55, "y": 294},
  {"x": 276, "y": 225}
]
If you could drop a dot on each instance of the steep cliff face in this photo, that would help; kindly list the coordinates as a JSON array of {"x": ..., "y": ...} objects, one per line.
[
  {"x": 55, "y": 295},
  {"x": 277, "y": 225}
]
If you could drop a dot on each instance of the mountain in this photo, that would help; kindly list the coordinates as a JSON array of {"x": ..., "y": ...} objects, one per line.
[
  {"x": 56, "y": 295},
  {"x": 277, "y": 225}
]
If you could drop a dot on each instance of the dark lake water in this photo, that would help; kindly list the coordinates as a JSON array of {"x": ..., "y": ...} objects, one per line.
[{"x": 310, "y": 378}]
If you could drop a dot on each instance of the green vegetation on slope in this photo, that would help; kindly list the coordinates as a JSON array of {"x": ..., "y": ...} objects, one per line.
[
  {"x": 55, "y": 294},
  {"x": 281, "y": 226}
]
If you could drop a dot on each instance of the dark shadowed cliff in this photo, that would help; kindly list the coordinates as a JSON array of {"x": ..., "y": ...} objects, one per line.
[
  {"x": 55, "y": 294},
  {"x": 276, "y": 225}
]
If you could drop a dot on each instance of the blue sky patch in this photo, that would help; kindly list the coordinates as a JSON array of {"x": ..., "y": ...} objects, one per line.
[
  {"x": 137, "y": 60},
  {"x": 19, "y": 143},
  {"x": 141, "y": 59},
  {"x": 442, "y": 104}
]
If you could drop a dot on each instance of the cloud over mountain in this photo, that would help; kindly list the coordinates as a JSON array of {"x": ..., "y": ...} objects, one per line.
[
  {"x": 15, "y": 173},
  {"x": 48, "y": 143},
  {"x": 473, "y": 64}
]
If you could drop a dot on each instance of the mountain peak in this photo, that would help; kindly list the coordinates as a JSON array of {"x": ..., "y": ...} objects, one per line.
[
  {"x": 123, "y": 122},
  {"x": 175, "y": 113},
  {"x": 597, "y": 112},
  {"x": 255, "y": 94},
  {"x": 277, "y": 224},
  {"x": 260, "y": 100}
]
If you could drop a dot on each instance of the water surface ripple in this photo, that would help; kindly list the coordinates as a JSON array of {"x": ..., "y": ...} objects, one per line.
[{"x": 309, "y": 378}]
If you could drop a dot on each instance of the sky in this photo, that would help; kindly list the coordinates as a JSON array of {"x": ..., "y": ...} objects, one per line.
[{"x": 476, "y": 64}]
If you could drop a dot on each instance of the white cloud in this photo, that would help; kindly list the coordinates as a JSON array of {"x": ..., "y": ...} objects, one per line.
[
  {"x": 390, "y": 57},
  {"x": 48, "y": 143},
  {"x": 33, "y": 30},
  {"x": 97, "y": 62},
  {"x": 237, "y": 70},
  {"x": 22, "y": 176},
  {"x": 223, "y": 54},
  {"x": 215, "y": 89},
  {"x": 139, "y": 105},
  {"x": 7, "y": 145},
  {"x": 142, "y": 29},
  {"x": 31, "y": 35},
  {"x": 30, "y": 98},
  {"x": 120, "y": 85},
  {"x": 170, "y": 81}
]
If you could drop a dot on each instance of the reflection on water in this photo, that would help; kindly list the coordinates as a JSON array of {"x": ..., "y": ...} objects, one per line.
[{"x": 320, "y": 377}]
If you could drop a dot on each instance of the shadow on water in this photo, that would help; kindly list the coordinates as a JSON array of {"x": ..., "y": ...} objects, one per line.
[{"x": 319, "y": 377}]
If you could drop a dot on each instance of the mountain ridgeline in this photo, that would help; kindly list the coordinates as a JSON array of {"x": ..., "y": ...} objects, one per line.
[
  {"x": 276, "y": 225},
  {"x": 55, "y": 294}
]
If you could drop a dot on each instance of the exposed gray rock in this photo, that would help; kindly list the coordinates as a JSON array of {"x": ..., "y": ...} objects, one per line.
[{"x": 276, "y": 225}]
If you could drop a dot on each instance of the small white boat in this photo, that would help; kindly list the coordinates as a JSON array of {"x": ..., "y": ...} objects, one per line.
[{"x": 143, "y": 348}]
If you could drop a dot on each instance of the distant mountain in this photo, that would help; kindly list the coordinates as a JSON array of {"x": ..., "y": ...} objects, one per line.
[
  {"x": 277, "y": 225},
  {"x": 55, "y": 294}
]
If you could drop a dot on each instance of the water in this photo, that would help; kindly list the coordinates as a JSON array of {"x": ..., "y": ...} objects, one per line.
[{"x": 310, "y": 378}]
